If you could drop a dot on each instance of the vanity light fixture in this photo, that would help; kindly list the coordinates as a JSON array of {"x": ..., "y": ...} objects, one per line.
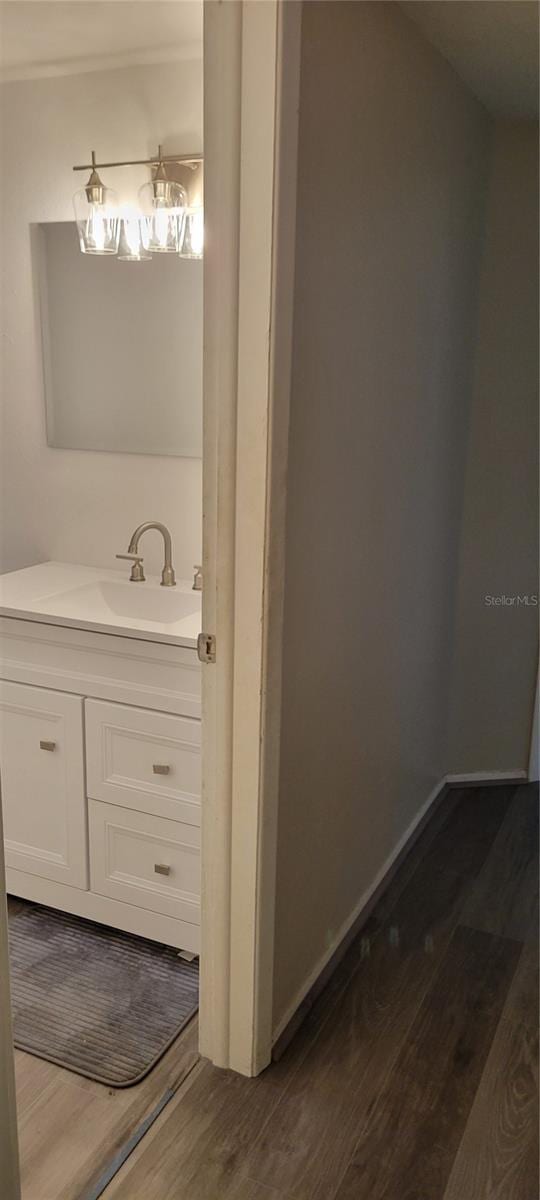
[
  {"x": 96, "y": 213},
  {"x": 164, "y": 225}
]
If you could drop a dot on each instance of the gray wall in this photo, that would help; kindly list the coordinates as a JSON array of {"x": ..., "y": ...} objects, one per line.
[
  {"x": 496, "y": 645},
  {"x": 392, "y": 171}
]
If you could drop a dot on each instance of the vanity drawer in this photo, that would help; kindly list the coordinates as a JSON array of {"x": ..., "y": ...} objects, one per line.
[
  {"x": 145, "y": 860},
  {"x": 144, "y": 760}
]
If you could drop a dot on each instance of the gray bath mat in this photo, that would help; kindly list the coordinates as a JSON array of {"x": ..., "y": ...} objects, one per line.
[{"x": 97, "y": 1001}]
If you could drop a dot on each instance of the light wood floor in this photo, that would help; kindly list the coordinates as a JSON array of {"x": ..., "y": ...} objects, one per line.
[{"x": 413, "y": 1076}]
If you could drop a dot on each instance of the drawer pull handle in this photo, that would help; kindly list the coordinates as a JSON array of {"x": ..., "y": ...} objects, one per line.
[
  {"x": 47, "y": 745},
  {"x": 161, "y": 769},
  {"x": 161, "y": 869}
]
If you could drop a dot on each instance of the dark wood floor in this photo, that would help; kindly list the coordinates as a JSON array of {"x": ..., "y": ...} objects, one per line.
[{"x": 414, "y": 1076}]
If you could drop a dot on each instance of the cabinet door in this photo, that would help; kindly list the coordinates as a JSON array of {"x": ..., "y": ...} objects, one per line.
[{"x": 42, "y": 781}]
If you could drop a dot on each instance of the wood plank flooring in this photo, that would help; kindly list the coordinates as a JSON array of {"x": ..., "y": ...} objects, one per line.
[
  {"x": 504, "y": 899},
  {"x": 412, "y": 1132},
  {"x": 414, "y": 1075}
]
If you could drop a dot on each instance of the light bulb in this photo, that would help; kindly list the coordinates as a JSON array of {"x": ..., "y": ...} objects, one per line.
[
  {"x": 95, "y": 229},
  {"x": 130, "y": 248},
  {"x": 193, "y": 239}
]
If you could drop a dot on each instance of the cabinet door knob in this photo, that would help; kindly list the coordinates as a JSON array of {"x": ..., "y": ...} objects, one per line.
[
  {"x": 161, "y": 768},
  {"x": 47, "y": 745},
  {"x": 161, "y": 869}
]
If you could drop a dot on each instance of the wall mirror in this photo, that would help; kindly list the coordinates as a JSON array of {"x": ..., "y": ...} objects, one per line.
[{"x": 122, "y": 348}]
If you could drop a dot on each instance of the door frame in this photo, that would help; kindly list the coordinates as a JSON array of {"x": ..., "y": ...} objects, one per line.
[
  {"x": 252, "y": 72},
  {"x": 9, "y": 1146}
]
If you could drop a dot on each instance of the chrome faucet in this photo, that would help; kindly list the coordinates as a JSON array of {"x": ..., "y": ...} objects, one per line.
[{"x": 137, "y": 574}]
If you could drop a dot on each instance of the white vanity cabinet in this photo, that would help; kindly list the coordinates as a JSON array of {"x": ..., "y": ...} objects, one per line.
[{"x": 100, "y": 762}]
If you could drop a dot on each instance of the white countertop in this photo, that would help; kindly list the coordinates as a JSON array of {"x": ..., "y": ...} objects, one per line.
[{"x": 103, "y": 602}]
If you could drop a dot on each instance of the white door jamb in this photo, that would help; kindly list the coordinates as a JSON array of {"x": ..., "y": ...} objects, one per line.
[{"x": 252, "y": 58}]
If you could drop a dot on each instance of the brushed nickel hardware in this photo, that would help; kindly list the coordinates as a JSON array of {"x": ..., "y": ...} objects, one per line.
[
  {"x": 184, "y": 160},
  {"x": 47, "y": 745},
  {"x": 168, "y": 578},
  {"x": 206, "y": 648},
  {"x": 197, "y": 579},
  {"x": 161, "y": 768},
  {"x": 161, "y": 869},
  {"x": 137, "y": 573}
]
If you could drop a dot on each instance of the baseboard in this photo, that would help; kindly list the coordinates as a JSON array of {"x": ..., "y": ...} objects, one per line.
[
  {"x": 322, "y": 972},
  {"x": 485, "y": 778}
]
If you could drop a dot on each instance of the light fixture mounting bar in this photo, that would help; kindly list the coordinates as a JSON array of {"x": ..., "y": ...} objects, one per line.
[{"x": 186, "y": 160}]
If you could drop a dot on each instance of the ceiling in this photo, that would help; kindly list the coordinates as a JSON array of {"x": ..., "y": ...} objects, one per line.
[
  {"x": 493, "y": 46},
  {"x": 47, "y": 37}
]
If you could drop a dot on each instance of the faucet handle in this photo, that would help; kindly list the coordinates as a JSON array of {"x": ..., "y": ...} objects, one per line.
[
  {"x": 137, "y": 573},
  {"x": 197, "y": 579}
]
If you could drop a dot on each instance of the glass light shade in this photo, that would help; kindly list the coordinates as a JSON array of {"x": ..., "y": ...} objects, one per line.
[
  {"x": 193, "y": 237},
  {"x": 130, "y": 246},
  {"x": 163, "y": 205},
  {"x": 97, "y": 222}
]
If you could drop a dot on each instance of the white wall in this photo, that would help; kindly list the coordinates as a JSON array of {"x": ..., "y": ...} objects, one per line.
[
  {"x": 80, "y": 506},
  {"x": 496, "y": 645},
  {"x": 392, "y": 168}
]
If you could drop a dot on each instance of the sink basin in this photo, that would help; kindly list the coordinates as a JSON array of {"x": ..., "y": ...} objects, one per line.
[{"x": 105, "y": 600}]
